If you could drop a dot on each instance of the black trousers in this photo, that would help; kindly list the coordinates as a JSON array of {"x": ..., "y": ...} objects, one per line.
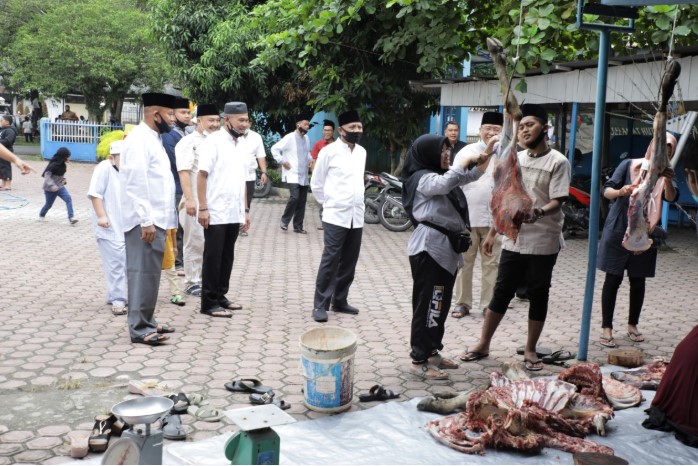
[
  {"x": 219, "y": 254},
  {"x": 536, "y": 271},
  {"x": 250, "y": 192},
  {"x": 432, "y": 291},
  {"x": 295, "y": 208},
  {"x": 609, "y": 293},
  {"x": 179, "y": 259},
  {"x": 337, "y": 266}
]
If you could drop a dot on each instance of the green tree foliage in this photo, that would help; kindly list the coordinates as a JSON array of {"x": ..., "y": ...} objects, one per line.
[{"x": 96, "y": 48}]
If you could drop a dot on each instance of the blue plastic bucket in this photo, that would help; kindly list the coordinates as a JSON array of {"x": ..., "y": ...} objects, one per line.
[{"x": 327, "y": 360}]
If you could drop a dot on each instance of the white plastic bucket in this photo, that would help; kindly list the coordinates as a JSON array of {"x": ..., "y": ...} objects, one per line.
[{"x": 327, "y": 360}]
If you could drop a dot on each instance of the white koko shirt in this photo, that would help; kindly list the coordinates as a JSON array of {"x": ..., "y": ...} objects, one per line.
[
  {"x": 147, "y": 184},
  {"x": 478, "y": 193},
  {"x": 295, "y": 150},
  {"x": 338, "y": 184},
  {"x": 227, "y": 162},
  {"x": 255, "y": 145},
  {"x": 105, "y": 184}
]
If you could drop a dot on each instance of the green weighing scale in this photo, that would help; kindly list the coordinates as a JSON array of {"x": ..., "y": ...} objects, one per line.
[{"x": 256, "y": 442}]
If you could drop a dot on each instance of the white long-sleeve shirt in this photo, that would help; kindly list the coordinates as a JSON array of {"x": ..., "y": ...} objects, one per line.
[
  {"x": 255, "y": 146},
  {"x": 105, "y": 184},
  {"x": 295, "y": 150},
  {"x": 147, "y": 184},
  {"x": 478, "y": 193},
  {"x": 226, "y": 162},
  {"x": 338, "y": 184}
]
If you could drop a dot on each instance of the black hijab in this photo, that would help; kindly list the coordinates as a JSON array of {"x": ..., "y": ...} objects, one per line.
[
  {"x": 424, "y": 156},
  {"x": 57, "y": 164}
]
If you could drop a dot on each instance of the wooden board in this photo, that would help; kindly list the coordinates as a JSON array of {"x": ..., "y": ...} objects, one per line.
[
  {"x": 625, "y": 357},
  {"x": 597, "y": 458}
]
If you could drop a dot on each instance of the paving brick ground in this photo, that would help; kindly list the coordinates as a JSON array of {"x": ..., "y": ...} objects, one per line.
[{"x": 64, "y": 358}]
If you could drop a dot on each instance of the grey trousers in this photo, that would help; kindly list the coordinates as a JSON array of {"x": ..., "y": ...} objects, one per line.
[
  {"x": 337, "y": 266},
  {"x": 143, "y": 268}
]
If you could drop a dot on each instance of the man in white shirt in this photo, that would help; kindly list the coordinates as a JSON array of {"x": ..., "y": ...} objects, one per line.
[
  {"x": 258, "y": 157},
  {"x": 338, "y": 184},
  {"x": 224, "y": 159},
  {"x": 293, "y": 153},
  {"x": 147, "y": 196},
  {"x": 187, "y": 159},
  {"x": 479, "y": 195},
  {"x": 105, "y": 194}
]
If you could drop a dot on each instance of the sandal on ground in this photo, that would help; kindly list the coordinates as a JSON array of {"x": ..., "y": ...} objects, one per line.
[
  {"x": 637, "y": 337},
  {"x": 181, "y": 403},
  {"x": 558, "y": 357},
  {"x": 164, "y": 328},
  {"x": 540, "y": 351},
  {"x": 231, "y": 306},
  {"x": 248, "y": 386},
  {"x": 281, "y": 404},
  {"x": 172, "y": 428},
  {"x": 378, "y": 393},
  {"x": 205, "y": 413},
  {"x": 99, "y": 438},
  {"x": 471, "y": 356},
  {"x": 152, "y": 339},
  {"x": 533, "y": 366},
  {"x": 178, "y": 299},
  {"x": 607, "y": 342},
  {"x": 427, "y": 372},
  {"x": 261, "y": 398},
  {"x": 442, "y": 363},
  {"x": 197, "y": 399},
  {"x": 118, "y": 427},
  {"x": 218, "y": 312},
  {"x": 118, "y": 311},
  {"x": 79, "y": 443}
]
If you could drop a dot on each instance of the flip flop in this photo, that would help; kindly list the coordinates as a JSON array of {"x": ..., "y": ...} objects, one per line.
[
  {"x": 231, "y": 306},
  {"x": 470, "y": 356},
  {"x": 197, "y": 399},
  {"x": 558, "y": 357},
  {"x": 248, "y": 386},
  {"x": 378, "y": 393},
  {"x": 150, "y": 339},
  {"x": 164, "y": 328},
  {"x": 118, "y": 311},
  {"x": 281, "y": 404},
  {"x": 181, "y": 403},
  {"x": 262, "y": 398},
  {"x": 79, "y": 443},
  {"x": 636, "y": 337},
  {"x": 533, "y": 365},
  {"x": 540, "y": 351},
  {"x": 607, "y": 342},
  {"x": 218, "y": 312},
  {"x": 205, "y": 413},
  {"x": 172, "y": 428}
]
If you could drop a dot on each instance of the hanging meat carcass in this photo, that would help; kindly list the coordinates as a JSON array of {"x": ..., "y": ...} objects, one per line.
[
  {"x": 511, "y": 203},
  {"x": 636, "y": 237}
]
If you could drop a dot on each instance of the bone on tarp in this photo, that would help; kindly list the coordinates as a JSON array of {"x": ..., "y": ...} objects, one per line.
[
  {"x": 511, "y": 203},
  {"x": 636, "y": 236}
]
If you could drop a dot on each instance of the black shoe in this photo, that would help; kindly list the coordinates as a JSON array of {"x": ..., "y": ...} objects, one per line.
[
  {"x": 345, "y": 309},
  {"x": 300, "y": 230},
  {"x": 320, "y": 315}
]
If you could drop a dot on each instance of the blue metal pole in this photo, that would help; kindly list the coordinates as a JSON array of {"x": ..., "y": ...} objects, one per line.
[
  {"x": 599, "y": 115},
  {"x": 573, "y": 135}
]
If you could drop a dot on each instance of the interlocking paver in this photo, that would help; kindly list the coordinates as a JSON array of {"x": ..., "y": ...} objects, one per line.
[{"x": 67, "y": 359}]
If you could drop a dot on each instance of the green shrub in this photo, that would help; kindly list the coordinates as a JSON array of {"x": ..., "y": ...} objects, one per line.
[{"x": 105, "y": 140}]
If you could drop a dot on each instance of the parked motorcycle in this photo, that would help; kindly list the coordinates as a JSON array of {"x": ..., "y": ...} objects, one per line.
[
  {"x": 577, "y": 207},
  {"x": 261, "y": 189},
  {"x": 373, "y": 185},
  {"x": 392, "y": 215}
]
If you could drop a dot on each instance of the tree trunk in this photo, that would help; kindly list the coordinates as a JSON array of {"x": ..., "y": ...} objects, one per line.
[
  {"x": 115, "y": 107},
  {"x": 95, "y": 111},
  {"x": 403, "y": 154},
  {"x": 393, "y": 149}
]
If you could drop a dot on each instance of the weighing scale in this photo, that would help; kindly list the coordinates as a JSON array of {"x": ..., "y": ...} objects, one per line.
[
  {"x": 256, "y": 442},
  {"x": 140, "y": 444}
]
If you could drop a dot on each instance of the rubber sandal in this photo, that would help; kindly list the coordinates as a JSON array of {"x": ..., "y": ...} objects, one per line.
[
  {"x": 636, "y": 337},
  {"x": 442, "y": 363},
  {"x": 533, "y": 365},
  {"x": 181, "y": 403},
  {"x": 118, "y": 311},
  {"x": 470, "y": 356},
  {"x": 540, "y": 351},
  {"x": 164, "y": 328},
  {"x": 178, "y": 300},
  {"x": 281, "y": 404},
  {"x": 378, "y": 393},
  {"x": 197, "y": 399},
  {"x": 205, "y": 413},
  {"x": 261, "y": 398},
  {"x": 607, "y": 342},
  {"x": 247, "y": 386},
  {"x": 151, "y": 339},
  {"x": 428, "y": 372},
  {"x": 172, "y": 428},
  {"x": 218, "y": 312},
  {"x": 99, "y": 438},
  {"x": 558, "y": 357},
  {"x": 231, "y": 306}
]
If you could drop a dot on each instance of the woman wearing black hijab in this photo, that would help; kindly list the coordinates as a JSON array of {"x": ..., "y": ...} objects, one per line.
[
  {"x": 54, "y": 184},
  {"x": 437, "y": 206}
]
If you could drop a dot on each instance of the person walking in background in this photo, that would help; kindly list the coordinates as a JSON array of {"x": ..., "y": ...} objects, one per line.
[
  {"x": 338, "y": 185},
  {"x": 223, "y": 166},
  {"x": 479, "y": 195},
  {"x": 328, "y": 129},
  {"x": 613, "y": 258},
  {"x": 147, "y": 212},
  {"x": 54, "y": 184},
  {"x": 7, "y": 139},
  {"x": 436, "y": 204},
  {"x": 186, "y": 152},
  {"x": 170, "y": 140},
  {"x": 293, "y": 153},
  {"x": 105, "y": 195},
  {"x": 27, "y": 130}
]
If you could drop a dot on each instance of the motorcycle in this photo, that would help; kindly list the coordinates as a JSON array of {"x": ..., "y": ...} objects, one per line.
[
  {"x": 261, "y": 189},
  {"x": 577, "y": 207},
  {"x": 392, "y": 214},
  {"x": 373, "y": 185}
]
